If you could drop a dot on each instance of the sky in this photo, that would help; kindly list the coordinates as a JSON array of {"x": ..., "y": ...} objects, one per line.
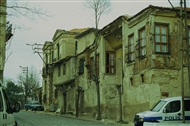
[{"x": 62, "y": 14}]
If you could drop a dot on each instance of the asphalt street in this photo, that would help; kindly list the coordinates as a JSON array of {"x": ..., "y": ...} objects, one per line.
[{"x": 32, "y": 118}]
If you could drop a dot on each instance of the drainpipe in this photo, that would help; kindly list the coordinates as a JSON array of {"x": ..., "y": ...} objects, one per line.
[
  {"x": 77, "y": 100},
  {"x": 120, "y": 102},
  {"x": 65, "y": 103}
]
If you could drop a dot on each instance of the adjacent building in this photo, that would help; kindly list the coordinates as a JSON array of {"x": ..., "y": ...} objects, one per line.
[
  {"x": 5, "y": 35},
  {"x": 137, "y": 61}
]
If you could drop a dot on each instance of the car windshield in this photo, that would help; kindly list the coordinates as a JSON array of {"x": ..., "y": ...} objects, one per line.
[{"x": 158, "y": 106}]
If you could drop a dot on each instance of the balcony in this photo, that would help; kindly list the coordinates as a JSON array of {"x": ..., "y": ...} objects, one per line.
[{"x": 8, "y": 31}]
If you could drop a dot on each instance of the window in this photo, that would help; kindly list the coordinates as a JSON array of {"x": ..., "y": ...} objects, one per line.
[
  {"x": 173, "y": 106},
  {"x": 130, "y": 53},
  {"x": 110, "y": 62},
  {"x": 131, "y": 80},
  {"x": 58, "y": 50},
  {"x": 52, "y": 56},
  {"x": 7, "y": 103},
  {"x": 56, "y": 93},
  {"x": 187, "y": 105},
  {"x": 59, "y": 70},
  {"x": 142, "y": 42},
  {"x": 97, "y": 65},
  {"x": 142, "y": 78},
  {"x": 64, "y": 68},
  {"x": 76, "y": 47},
  {"x": 46, "y": 58},
  {"x": 81, "y": 66},
  {"x": 1, "y": 102},
  {"x": 161, "y": 38}
]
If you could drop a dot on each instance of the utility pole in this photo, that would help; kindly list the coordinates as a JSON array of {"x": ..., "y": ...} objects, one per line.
[
  {"x": 181, "y": 52},
  {"x": 38, "y": 49},
  {"x": 25, "y": 71},
  {"x": 187, "y": 37}
]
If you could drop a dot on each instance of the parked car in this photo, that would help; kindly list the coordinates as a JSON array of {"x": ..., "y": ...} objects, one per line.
[
  {"x": 34, "y": 105},
  {"x": 6, "y": 111},
  {"x": 168, "y": 110}
]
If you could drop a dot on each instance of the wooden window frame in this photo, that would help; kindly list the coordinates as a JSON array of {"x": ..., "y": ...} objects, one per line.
[
  {"x": 110, "y": 62},
  {"x": 142, "y": 42},
  {"x": 130, "y": 53},
  {"x": 160, "y": 37}
]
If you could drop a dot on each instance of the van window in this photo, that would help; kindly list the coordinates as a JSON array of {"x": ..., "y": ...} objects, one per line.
[
  {"x": 158, "y": 106},
  {"x": 187, "y": 105},
  {"x": 173, "y": 106},
  {"x": 1, "y": 102},
  {"x": 7, "y": 104}
]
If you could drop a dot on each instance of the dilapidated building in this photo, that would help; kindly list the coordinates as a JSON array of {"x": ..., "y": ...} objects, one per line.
[
  {"x": 152, "y": 59},
  {"x": 137, "y": 61}
]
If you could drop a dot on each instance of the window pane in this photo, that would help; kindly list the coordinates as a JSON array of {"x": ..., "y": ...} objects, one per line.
[
  {"x": 143, "y": 51},
  {"x": 157, "y": 38},
  {"x": 164, "y": 48},
  {"x": 157, "y": 48},
  {"x": 164, "y": 38},
  {"x": 187, "y": 105},
  {"x": 163, "y": 30},
  {"x": 112, "y": 70},
  {"x": 157, "y": 30}
]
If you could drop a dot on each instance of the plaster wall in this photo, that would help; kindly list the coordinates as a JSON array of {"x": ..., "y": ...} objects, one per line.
[
  {"x": 85, "y": 42},
  {"x": 156, "y": 76}
]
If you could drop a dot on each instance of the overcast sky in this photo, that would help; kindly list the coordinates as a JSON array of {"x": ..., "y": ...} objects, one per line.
[{"x": 66, "y": 15}]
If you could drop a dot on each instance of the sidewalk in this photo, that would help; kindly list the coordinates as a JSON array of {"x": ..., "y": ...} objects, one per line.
[{"x": 87, "y": 118}]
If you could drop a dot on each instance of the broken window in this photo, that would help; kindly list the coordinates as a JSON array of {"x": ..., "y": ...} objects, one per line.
[
  {"x": 81, "y": 66},
  {"x": 110, "y": 62},
  {"x": 161, "y": 38},
  {"x": 142, "y": 78},
  {"x": 64, "y": 68},
  {"x": 131, "y": 80}
]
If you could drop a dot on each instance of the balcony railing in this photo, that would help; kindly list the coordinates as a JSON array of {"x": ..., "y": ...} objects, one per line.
[{"x": 8, "y": 31}]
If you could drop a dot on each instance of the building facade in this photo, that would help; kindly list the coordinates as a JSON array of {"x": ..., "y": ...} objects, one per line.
[
  {"x": 5, "y": 35},
  {"x": 137, "y": 61}
]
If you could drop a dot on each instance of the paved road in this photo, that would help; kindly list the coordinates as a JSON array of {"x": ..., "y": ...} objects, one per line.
[{"x": 32, "y": 118}]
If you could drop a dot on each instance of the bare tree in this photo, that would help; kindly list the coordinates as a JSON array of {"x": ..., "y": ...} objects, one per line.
[
  {"x": 16, "y": 9},
  {"x": 29, "y": 80},
  {"x": 99, "y": 7}
]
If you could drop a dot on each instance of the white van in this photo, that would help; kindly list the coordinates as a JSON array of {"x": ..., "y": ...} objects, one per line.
[
  {"x": 167, "y": 110},
  {"x": 6, "y": 111}
]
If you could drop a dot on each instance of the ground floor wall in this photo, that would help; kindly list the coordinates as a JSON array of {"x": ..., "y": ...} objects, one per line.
[{"x": 141, "y": 96}]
